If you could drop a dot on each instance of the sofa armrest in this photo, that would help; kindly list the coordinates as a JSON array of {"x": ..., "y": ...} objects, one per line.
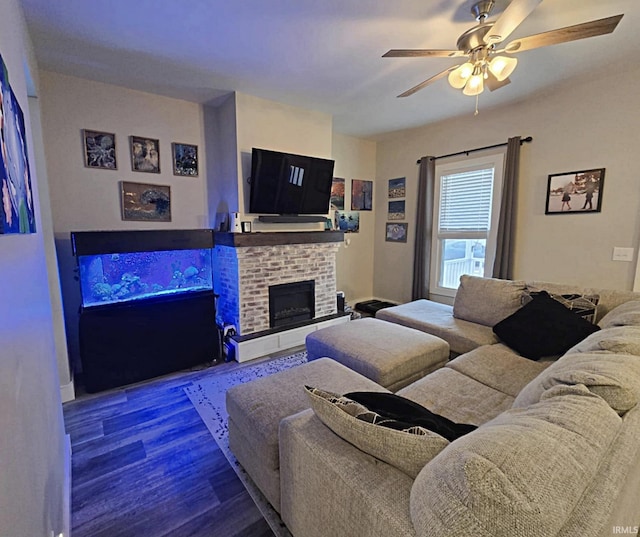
[{"x": 330, "y": 487}]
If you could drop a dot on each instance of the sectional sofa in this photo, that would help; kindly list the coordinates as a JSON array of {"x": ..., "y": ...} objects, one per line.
[{"x": 555, "y": 449}]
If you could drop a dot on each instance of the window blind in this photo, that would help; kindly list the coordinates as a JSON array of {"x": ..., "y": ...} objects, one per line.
[{"x": 465, "y": 201}]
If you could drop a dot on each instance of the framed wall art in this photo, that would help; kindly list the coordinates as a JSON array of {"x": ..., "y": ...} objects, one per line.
[
  {"x": 396, "y": 232},
  {"x": 145, "y": 154},
  {"x": 361, "y": 195},
  {"x": 397, "y": 188},
  {"x": 575, "y": 192},
  {"x": 145, "y": 203},
  {"x": 337, "y": 194},
  {"x": 396, "y": 210},
  {"x": 99, "y": 149},
  {"x": 185, "y": 159},
  {"x": 347, "y": 221}
]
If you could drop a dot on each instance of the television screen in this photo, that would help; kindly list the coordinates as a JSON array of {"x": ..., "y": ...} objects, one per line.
[{"x": 284, "y": 183}]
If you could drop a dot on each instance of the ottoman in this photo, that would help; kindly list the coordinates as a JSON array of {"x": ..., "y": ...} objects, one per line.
[
  {"x": 392, "y": 355},
  {"x": 256, "y": 408}
]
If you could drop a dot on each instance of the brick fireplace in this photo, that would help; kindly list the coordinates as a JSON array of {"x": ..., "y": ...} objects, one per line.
[{"x": 247, "y": 264}]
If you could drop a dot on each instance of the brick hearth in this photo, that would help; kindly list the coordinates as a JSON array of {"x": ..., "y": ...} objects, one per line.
[{"x": 243, "y": 274}]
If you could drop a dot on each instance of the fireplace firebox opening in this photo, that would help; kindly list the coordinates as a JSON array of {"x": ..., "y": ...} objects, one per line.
[{"x": 290, "y": 303}]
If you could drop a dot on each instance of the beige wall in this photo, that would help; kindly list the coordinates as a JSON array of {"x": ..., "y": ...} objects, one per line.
[
  {"x": 591, "y": 123},
  {"x": 355, "y": 159},
  {"x": 85, "y": 199},
  {"x": 32, "y": 439}
]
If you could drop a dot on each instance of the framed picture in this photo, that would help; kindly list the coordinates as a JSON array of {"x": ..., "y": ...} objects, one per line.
[
  {"x": 17, "y": 212},
  {"x": 347, "y": 221},
  {"x": 185, "y": 159},
  {"x": 397, "y": 188},
  {"x": 396, "y": 232},
  {"x": 145, "y": 154},
  {"x": 396, "y": 210},
  {"x": 246, "y": 227},
  {"x": 146, "y": 203},
  {"x": 337, "y": 194},
  {"x": 99, "y": 149},
  {"x": 361, "y": 195},
  {"x": 575, "y": 192}
]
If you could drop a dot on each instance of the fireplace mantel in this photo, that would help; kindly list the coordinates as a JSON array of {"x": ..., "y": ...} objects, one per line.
[{"x": 274, "y": 238}]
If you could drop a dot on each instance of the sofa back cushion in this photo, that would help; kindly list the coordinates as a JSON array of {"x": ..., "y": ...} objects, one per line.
[
  {"x": 627, "y": 314},
  {"x": 617, "y": 339},
  {"x": 487, "y": 300},
  {"x": 613, "y": 377},
  {"x": 522, "y": 473}
]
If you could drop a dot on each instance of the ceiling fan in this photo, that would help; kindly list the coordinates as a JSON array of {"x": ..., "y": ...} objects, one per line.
[{"x": 485, "y": 64}]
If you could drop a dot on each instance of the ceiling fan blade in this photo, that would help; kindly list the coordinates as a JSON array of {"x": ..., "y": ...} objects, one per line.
[
  {"x": 431, "y": 80},
  {"x": 493, "y": 83},
  {"x": 509, "y": 20},
  {"x": 420, "y": 53},
  {"x": 563, "y": 35}
]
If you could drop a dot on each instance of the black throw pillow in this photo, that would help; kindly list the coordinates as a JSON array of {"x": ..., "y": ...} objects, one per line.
[
  {"x": 543, "y": 327},
  {"x": 407, "y": 413}
]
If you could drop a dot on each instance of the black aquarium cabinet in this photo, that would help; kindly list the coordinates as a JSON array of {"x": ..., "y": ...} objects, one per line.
[{"x": 148, "y": 306}]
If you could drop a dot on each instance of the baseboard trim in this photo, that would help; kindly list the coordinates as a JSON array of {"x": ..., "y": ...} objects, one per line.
[
  {"x": 66, "y": 501},
  {"x": 67, "y": 392}
]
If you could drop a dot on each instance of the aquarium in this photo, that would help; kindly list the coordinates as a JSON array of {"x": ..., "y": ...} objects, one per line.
[{"x": 118, "y": 267}]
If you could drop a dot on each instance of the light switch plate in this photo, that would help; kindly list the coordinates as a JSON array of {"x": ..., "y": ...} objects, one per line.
[{"x": 622, "y": 254}]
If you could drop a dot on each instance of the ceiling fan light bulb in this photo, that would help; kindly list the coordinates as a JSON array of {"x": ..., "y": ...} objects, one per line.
[
  {"x": 474, "y": 86},
  {"x": 459, "y": 76},
  {"x": 502, "y": 66}
]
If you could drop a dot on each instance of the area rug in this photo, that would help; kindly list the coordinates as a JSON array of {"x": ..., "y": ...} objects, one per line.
[{"x": 208, "y": 397}]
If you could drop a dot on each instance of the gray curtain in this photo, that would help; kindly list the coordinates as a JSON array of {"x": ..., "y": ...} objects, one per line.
[
  {"x": 503, "y": 262},
  {"x": 424, "y": 225}
]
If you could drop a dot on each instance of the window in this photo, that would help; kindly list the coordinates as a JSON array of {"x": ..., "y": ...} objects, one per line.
[{"x": 467, "y": 201}]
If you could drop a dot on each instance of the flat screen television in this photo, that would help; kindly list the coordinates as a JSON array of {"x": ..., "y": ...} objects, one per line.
[{"x": 288, "y": 184}]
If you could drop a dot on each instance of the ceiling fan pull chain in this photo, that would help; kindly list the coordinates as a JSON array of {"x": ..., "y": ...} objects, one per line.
[{"x": 477, "y": 99}]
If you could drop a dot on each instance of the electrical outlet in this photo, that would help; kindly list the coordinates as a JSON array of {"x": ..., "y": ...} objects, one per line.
[{"x": 622, "y": 254}]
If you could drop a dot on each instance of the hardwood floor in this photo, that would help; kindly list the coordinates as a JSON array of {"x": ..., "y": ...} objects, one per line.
[{"x": 145, "y": 465}]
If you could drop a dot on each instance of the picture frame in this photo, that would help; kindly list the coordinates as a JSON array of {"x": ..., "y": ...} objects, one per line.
[
  {"x": 246, "y": 227},
  {"x": 361, "y": 195},
  {"x": 143, "y": 202},
  {"x": 99, "y": 149},
  {"x": 347, "y": 221},
  {"x": 396, "y": 232},
  {"x": 397, "y": 188},
  {"x": 396, "y": 210},
  {"x": 185, "y": 159},
  {"x": 583, "y": 189},
  {"x": 145, "y": 154},
  {"x": 337, "y": 193}
]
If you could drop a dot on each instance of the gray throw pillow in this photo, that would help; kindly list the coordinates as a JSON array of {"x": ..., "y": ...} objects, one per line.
[
  {"x": 626, "y": 314},
  {"x": 407, "y": 450}
]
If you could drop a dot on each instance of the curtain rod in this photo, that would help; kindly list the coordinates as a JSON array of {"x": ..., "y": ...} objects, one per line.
[{"x": 522, "y": 141}]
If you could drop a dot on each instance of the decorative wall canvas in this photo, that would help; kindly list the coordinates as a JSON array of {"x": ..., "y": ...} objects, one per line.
[
  {"x": 337, "y": 194},
  {"x": 397, "y": 187},
  {"x": 185, "y": 159},
  {"x": 396, "y": 210},
  {"x": 575, "y": 192},
  {"x": 361, "y": 195},
  {"x": 146, "y": 203},
  {"x": 99, "y": 149},
  {"x": 348, "y": 221},
  {"x": 396, "y": 232},
  {"x": 17, "y": 213},
  {"x": 145, "y": 154}
]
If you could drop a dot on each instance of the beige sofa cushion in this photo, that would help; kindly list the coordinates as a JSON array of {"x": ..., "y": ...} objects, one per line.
[
  {"x": 521, "y": 474},
  {"x": 627, "y": 314},
  {"x": 617, "y": 339},
  {"x": 614, "y": 377},
  {"x": 408, "y": 450},
  {"x": 487, "y": 301}
]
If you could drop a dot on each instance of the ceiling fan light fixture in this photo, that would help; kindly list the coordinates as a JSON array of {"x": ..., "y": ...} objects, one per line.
[
  {"x": 502, "y": 66},
  {"x": 460, "y": 76},
  {"x": 475, "y": 84}
]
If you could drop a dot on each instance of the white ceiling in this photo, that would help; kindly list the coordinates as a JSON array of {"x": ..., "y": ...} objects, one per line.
[{"x": 322, "y": 55}]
